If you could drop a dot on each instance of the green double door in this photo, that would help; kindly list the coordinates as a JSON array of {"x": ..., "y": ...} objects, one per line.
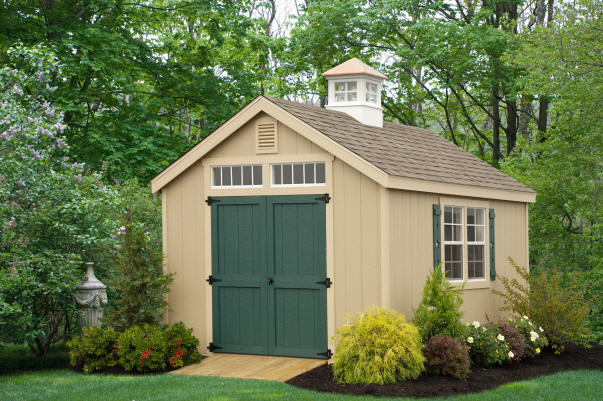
[{"x": 268, "y": 275}]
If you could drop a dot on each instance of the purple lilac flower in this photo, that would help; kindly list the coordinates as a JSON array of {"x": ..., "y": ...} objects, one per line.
[
  {"x": 61, "y": 143},
  {"x": 36, "y": 155},
  {"x": 20, "y": 183},
  {"x": 13, "y": 129},
  {"x": 17, "y": 90},
  {"x": 6, "y": 136},
  {"x": 78, "y": 179},
  {"x": 60, "y": 127}
]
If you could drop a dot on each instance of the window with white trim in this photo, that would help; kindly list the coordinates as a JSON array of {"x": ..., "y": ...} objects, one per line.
[
  {"x": 346, "y": 91},
  {"x": 464, "y": 243},
  {"x": 298, "y": 174},
  {"x": 238, "y": 176},
  {"x": 371, "y": 92},
  {"x": 453, "y": 242},
  {"x": 476, "y": 243}
]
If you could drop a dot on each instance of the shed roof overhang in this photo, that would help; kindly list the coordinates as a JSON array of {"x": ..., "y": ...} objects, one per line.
[{"x": 261, "y": 104}]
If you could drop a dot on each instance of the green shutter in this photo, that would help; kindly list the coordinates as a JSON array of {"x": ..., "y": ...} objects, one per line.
[
  {"x": 492, "y": 249},
  {"x": 437, "y": 237}
]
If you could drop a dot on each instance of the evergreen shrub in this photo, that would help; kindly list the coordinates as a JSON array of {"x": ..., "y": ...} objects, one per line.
[
  {"x": 378, "y": 346},
  {"x": 182, "y": 346},
  {"x": 439, "y": 312},
  {"x": 94, "y": 350},
  {"x": 142, "y": 349}
]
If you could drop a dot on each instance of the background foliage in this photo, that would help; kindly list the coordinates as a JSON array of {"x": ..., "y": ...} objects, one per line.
[{"x": 99, "y": 96}]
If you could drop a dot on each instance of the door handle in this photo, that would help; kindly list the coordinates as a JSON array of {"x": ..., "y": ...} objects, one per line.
[{"x": 270, "y": 280}]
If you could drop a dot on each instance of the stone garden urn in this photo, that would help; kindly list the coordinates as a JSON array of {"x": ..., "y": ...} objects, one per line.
[{"x": 91, "y": 296}]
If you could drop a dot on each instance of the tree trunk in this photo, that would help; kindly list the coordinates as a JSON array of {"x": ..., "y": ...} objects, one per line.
[
  {"x": 543, "y": 115},
  {"x": 525, "y": 109},
  {"x": 511, "y": 131},
  {"x": 496, "y": 156}
]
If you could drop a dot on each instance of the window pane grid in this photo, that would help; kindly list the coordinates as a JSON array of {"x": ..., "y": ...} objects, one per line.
[
  {"x": 464, "y": 243},
  {"x": 239, "y": 176},
  {"x": 346, "y": 91},
  {"x": 298, "y": 174}
]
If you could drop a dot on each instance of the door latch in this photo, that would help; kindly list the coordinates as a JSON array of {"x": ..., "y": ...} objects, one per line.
[
  {"x": 326, "y": 282},
  {"x": 212, "y": 280}
]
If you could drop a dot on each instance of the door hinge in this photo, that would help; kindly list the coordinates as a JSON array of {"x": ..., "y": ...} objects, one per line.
[
  {"x": 325, "y": 198},
  {"x": 328, "y": 354},
  {"x": 211, "y": 200},
  {"x": 326, "y": 282},
  {"x": 213, "y": 347},
  {"x": 212, "y": 280}
]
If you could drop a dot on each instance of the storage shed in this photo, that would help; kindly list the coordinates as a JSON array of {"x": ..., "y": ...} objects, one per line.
[{"x": 289, "y": 217}]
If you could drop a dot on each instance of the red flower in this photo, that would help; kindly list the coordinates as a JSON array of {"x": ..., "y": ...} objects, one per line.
[
  {"x": 168, "y": 336},
  {"x": 150, "y": 342},
  {"x": 177, "y": 343},
  {"x": 173, "y": 361},
  {"x": 145, "y": 354},
  {"x": 116, "y": 345},
  {"x": 179, "y": 353}
]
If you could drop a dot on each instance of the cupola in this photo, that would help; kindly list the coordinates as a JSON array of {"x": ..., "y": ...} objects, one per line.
[{"x": 355, "y": 89}]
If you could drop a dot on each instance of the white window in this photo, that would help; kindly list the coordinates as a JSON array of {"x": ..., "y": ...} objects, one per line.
[
  {"x": 453, "y": 242},
  {"x": 476, "y": 243},
  {"x": 346, "y": 91},
  {"x": 371, "y": 92},
  {"x": 464, "y": 234},
  {"x": 297, "y": 174},
  {"x": 242, "y": 176}
]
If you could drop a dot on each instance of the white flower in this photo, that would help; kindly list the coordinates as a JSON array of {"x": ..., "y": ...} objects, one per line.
[
  {"x": 511, "y": 354},
  {"x": 534, "y": 334},
  {"x": 525, "y": 317},
  {"x": 540, "y": 328},
  {"x": 475, "y": 324},
  {"x": 470, "y": 340},
  {"x": 483, "y": 328},
  {"x": 500, "y": 337}
]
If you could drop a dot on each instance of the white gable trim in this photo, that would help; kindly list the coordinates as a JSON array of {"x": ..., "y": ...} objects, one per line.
[{"x": 261, "y": 104}]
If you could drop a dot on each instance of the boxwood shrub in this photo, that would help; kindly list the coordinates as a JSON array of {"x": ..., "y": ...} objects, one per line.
[
  {"x": 378, "y": 346},
  {"x": 94, "y": 350}
]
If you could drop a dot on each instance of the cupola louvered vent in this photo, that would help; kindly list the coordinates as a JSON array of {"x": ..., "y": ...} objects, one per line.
[{"x": 266, "y": 135}]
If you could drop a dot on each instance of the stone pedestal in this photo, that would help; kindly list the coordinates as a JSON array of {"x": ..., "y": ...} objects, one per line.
[{"x": 91, "y": 296}]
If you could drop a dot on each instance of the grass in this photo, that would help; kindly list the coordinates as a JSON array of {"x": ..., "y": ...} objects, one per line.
[{"x": 66, "y": 386}]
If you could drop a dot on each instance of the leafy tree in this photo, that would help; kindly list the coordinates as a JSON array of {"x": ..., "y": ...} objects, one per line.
[
  {"x": 51, "y": 210},
  {"x": 141, "y": 81}
]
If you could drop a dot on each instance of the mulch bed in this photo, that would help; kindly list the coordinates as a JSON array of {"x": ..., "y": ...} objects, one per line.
[{"x": 480, "y": 379}]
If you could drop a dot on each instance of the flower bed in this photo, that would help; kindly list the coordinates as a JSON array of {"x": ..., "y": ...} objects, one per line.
[{"x": 480, "y": 379}]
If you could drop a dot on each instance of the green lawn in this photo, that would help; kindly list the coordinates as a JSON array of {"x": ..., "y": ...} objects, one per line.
[{"x": 65, "y": 386}]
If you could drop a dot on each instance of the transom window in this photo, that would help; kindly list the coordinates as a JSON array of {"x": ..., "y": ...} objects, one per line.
[
  {"x": 464, "y": 236},
  {"x": 371, "y": 92},
  {"x": 240, "y": 176},
  {"x": 346, "y": 91},
  {"x": 297, "y": 174}
]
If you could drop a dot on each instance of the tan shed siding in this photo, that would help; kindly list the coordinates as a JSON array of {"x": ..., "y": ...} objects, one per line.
[
  {"x": 411, "y": 251},
  {"x": 356, "y": 241},
  {"x": 410, "y": 247},
  {"x": 185, "y": 250}
]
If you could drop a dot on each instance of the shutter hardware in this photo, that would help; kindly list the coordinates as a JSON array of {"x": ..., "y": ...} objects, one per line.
[
  {"x": 325, "y": 198},
  {"x": 328, "y": 354},
  {"x": 213, "y": 347},
  {"x": 211, "y": 280},
  {"x": 326, "y": 282},
  {"x": 211, "y": 200}
]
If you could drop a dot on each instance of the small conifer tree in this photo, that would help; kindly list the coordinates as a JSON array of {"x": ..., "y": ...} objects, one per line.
[
  {"x": 137, "y": 279},
  {"x": 439, "y": 312}
]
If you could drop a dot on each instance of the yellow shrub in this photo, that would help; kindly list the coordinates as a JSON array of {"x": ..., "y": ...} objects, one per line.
[{"x": 378, "y": 346}]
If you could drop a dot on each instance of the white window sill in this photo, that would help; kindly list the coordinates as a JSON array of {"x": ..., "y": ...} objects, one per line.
[{"x": 474, "y": 284}]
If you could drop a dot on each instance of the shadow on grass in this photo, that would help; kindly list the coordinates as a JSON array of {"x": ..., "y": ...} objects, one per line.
[{"x": 15, "y": 358}]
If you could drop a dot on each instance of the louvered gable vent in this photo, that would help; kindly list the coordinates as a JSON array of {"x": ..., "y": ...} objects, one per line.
[{"x": 266, "y": 135}]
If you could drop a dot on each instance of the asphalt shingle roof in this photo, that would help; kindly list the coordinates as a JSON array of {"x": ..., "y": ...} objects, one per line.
[{"x": 402, "y": 150}]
